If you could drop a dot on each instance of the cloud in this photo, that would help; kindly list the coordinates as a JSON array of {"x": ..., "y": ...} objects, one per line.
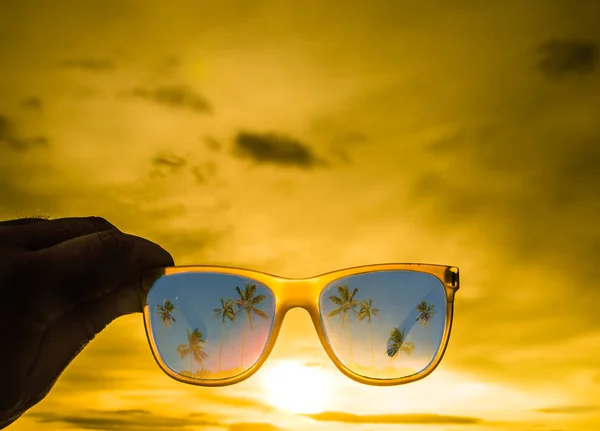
[
  {"x": 170, "y": 161},
  {"x": 93, "y": 64},
  {"x": 238, "y": 402},
  {"x": 212, "y": 143},
  {"x": 342, "y": 146},
  {"x": 9, "y": 137},
  {"x": 253, "y": 426},
  {"x": 21, "y": 144},
  {"x": 312, "y": 364},
  {"x": 165, "y": 164},
  {"x": 204, "y": 171},
  {"x": 275, "y": 149},
  {"x": 131, "y": 420},
  {"x": 573, "y": 409},
  {"x": 175, "y": 96},
  {"x": 416, "y": 418},
  {"x": 34, "y": 103},
  {"x": 5, "y": 128},
  {"x": 561, "y": 57}
]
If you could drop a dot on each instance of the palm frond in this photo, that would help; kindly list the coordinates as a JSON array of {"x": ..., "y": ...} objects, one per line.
[
  {"x": 335, "y": 312},
  {"x": 336, "y": 300},
  {"x": 257, "y": 299},
  {"x": 260, "y": 313}
]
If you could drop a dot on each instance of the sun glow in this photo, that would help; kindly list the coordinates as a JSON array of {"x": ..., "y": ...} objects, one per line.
[{"x": 296, "y": 388}]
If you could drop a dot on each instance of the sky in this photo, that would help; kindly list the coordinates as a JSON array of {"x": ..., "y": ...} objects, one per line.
[{"x": 302, "y": 138}]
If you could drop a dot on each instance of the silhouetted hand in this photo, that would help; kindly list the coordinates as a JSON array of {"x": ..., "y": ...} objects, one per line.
[{"x": 61, "y": 282}]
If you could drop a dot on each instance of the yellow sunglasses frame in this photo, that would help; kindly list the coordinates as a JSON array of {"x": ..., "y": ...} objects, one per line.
[{"x": 304, "y": 293}]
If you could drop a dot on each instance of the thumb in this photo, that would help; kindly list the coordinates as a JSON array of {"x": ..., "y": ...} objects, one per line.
[
  {"x": 87, "y": 267},
  {"x": 92, "y": 280}
]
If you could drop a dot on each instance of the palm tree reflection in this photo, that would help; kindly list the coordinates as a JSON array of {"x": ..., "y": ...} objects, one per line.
[
  {"x": 247, "y": 302},
  {"x": 397, "y": 344},
  {"x": 346, "y": 302},
  {"x": 194, "y": 348},
  {"x": 165, "y": 312},
  {"x": 226, "y": 312},
  {"x": 426, "y": 313},
  {"x": 367, "y": 311}
]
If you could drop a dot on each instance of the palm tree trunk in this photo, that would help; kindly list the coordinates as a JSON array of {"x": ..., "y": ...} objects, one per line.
[
  {"x": 243, "y": 340},
  {"x": 372, "y": 349},
  {"x": 162, "y": 336},
  {"x": 350, "y": 341},
  {"x": 221, "y": 348},
  {"x": 191, "y": 364},
  {"x": 428, "y": 341}
]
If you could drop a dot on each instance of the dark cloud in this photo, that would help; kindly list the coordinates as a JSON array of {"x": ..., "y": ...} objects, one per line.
[
  {"x": 9, "y": 137},
  {"x": 99, "y": 64},
  {"x": 131, "y": 420},
  {"x": 204, "y": 172},
  {"x": 199, "y": 176},
  {"x": 21, "y": 144},
  {"x": 6, "y": 128},
  {"x": 34, "y": 103},
  {"x": 166, "y": 164},
  {"x": 170, "y": 161},
  {"x": 342, "y": 146},
  {"x": 409, "y": 418},
  {"x": 562, "y": 57},
  {"x": 573, "y": 409},
  {"x": 212, "y": 143},
  {"x": 175, "y": 96},
  {"x": 275, "y": 149}
]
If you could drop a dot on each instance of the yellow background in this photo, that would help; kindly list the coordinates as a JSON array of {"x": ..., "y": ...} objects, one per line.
[{"x": 463, "y": 133}]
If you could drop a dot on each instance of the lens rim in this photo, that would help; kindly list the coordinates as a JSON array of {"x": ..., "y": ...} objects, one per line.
[
  {"x": 305, "y": 293},
  {"x": 153, "y": 336},
  {"x": 345, "y": 280}
]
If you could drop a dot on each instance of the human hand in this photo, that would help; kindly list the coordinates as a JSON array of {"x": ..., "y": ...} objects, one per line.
[{"x": 62, "y": 281}]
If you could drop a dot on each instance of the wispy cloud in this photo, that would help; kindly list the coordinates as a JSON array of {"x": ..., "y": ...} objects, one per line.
[
  {"x": 92, "y": 64},
  {"x": 573, "y": 409},
  {"x": 561, "y": 57},
  {"x": 175, "y": 96},
  {"x": 253, "y": 426},
  {"x": 417, "y": 418},
  {"x": 343, "y": 145},
  {"x": 117, "y": 420},
  {"x": 274, "y": 148},
  {"x": 238, "y": 402}
]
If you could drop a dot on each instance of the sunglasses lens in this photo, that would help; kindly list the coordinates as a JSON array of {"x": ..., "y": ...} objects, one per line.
[
  {"x": 385, "y": 324},
  {"x": 210, "y": 326}
]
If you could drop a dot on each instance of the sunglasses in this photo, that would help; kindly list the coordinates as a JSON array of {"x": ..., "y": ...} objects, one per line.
[{"x": 382, "y": 325}]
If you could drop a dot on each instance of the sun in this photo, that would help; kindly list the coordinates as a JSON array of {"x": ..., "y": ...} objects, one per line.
[{"x": 297, "y": 388}]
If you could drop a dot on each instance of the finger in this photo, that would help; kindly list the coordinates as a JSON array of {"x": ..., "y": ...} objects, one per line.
[
  {"x": 36, "y": 236},
  {"x": 87, "y": 267},
  {"x": 21, "y": 221}
]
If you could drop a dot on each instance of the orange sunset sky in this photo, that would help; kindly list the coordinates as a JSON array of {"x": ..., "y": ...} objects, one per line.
[{"x": 463, "y": 133}]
